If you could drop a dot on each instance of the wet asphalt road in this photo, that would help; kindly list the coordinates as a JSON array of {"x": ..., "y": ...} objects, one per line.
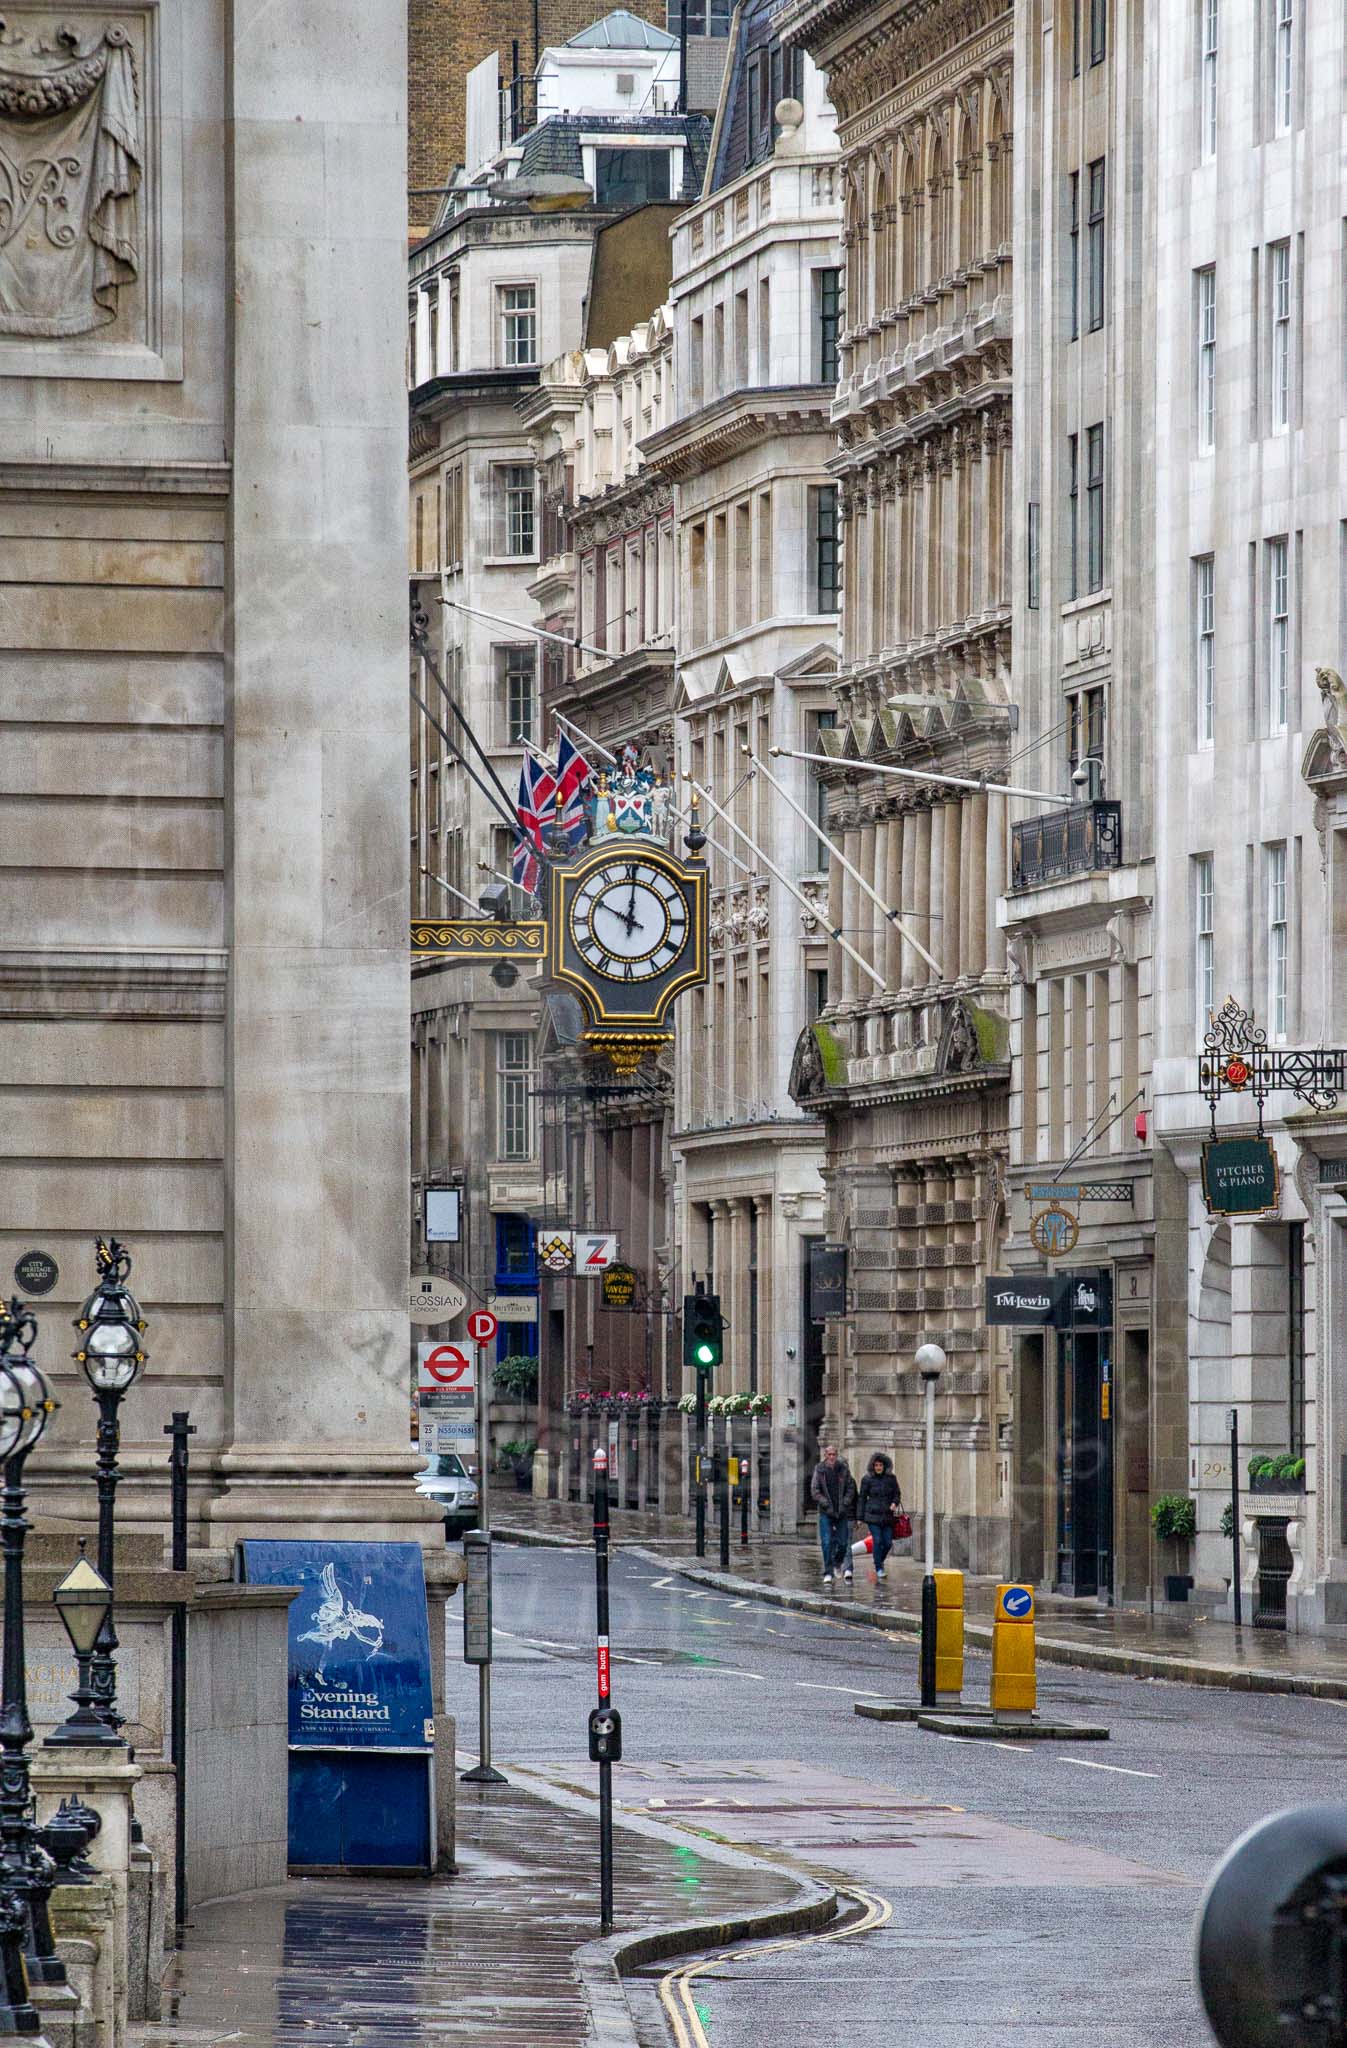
[{"x": 1056, "y": 1907}]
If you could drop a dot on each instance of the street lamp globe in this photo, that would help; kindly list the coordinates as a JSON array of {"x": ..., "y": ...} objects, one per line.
[
  {"x": 25, "y": 1398},
  {"x": 930, "y": 1361},
  {"x": 111, "y": 1325}
]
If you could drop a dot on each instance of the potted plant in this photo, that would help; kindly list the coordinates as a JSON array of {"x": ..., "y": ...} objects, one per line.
[
  {"x": 1283, "y": 1472},
  {"x": 1174, "y": 1520},
  {"x": 519, "y": 1457},
  {"x": 516, "y": 1377}
]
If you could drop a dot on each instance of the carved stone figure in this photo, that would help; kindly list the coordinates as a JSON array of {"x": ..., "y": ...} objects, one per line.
[
  {"x": 958, "y": 1052},
  {"x": 70, "y": 169},
  {"x": 807, "y": 1078},
  {"x": 1333, "y": 692}
]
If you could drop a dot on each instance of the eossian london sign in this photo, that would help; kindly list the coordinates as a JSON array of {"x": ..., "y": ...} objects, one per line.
[{"x": 1239, "y": 1176}]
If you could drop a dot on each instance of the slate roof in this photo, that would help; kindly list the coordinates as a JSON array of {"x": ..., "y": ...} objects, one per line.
[
  {"x": 553, "y": 147},
  {"x": 621, "y": 31},
  {"x": 755, "y": 20}
]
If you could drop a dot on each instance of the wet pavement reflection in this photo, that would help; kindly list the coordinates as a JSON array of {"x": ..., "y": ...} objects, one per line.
[{"x": 484, "y": 1956}]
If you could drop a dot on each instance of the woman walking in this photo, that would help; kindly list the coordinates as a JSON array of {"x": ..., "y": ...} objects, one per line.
[{"x": 881, "y": 1498}]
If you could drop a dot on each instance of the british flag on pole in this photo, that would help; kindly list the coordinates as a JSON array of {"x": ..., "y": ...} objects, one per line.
[
  {"x": 535, "y": 808},
  {"x": 572, "y": 781}
]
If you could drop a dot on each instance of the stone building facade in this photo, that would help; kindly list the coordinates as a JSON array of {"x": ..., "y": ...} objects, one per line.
[
  {"x": 1251, "y": 616},
  {"x": 1100, "y": 1403},
  {"x": 203, "y": 1000},
  {"x": 754, "y": 299},
  {"x": 910, "y": 1072}
]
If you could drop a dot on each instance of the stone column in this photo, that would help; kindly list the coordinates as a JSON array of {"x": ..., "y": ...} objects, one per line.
[
  {"x": 973, "y": 897},
  {"x": 951, "y": 956},
  {"x": 893, "y": 896},
  {"x": 316, "y": 1139},
  {"x": 850, "y": 920},
  {"x": 864, "y": 940},
  {"x": 763, "y": 1210},
  {"x": 836, "y": 956},
  {"x": 937, "y": 924},
  {"x": 995, "y": 868},
  {"x": 914, "y": 900}
]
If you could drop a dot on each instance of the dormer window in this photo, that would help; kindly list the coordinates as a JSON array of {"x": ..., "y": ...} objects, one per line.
[{"x": 632, "y": 177}]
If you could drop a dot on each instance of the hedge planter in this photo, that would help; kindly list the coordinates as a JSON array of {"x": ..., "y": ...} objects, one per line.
[
  {"x": 1178, "y": 1585},
  {"x": 1270, "y": 1483}
]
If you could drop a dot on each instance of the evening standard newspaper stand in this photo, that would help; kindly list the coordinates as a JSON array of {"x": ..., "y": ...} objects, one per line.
[{"x": 361, "y": 1733}]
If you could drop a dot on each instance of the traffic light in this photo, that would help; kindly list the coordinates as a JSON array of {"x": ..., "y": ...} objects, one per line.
[{"x": 703, "y": 1342}]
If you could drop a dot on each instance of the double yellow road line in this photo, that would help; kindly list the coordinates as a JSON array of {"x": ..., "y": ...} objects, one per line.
[{"x": 675, "y": 1989}]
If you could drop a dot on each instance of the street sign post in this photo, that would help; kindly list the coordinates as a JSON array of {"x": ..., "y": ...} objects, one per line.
[
  {"x": 477, "y": 1550},
  {"x": 431, "y": 1299},
  {"x": 446, "y": 1398}
]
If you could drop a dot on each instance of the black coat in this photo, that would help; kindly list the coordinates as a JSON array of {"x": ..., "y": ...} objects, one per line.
[
  {"x": 834, "y": 1490},
  {"x": 880, "y": 1495}
]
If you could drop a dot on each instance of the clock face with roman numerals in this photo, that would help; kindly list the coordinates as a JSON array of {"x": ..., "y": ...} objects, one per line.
[{"x": 629, "y": 920}]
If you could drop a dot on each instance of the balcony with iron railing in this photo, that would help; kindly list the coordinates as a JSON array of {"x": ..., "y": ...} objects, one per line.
[{"x": 1079, "y": 840}]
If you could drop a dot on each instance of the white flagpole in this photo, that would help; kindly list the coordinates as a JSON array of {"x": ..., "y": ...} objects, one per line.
[
  {"x": 450, "y": 890},
  {"x": 837, "y": 853},
  {"x": 833, "y": 931},
  {"x": 1041, "y": 796},
  {"x": 560, "y": 718}
]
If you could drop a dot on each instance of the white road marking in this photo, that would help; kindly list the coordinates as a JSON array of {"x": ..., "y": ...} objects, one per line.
[
  {"x": 660, "y": 1582},
  {"x": 1023, "y": 1749},
  {"x": 1083, "y": 1763},
  {"x": 812, "y": 1685}
]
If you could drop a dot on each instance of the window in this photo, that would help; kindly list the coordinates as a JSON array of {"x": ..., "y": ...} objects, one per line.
[
  {"x": 1085, "y": 728},
  {"x": 516, "y": 1251},
  {"x": 519, "y": 325},
  {"x": 519, "y": 677},
  {"x": 1098, "y": 30},
  {"x": 631, "y": 177},
  {"x": 1074, "y": 241},
  {"x": 1207, "y": 115},
  {"x": 1204, "y": 939},
  {"x": 1278, "y": 940},
  {"x": 1206, "y": 359},
  {"x": 1204, "y": 623},
  {"x": 411, "y": 343},
  {"x": 1283, "y": 64},
  {"x": 1279, "y": 286},
  {"x": 1033, "y": 552},
  {"x": 828, "y": 316},
  {"x": 1279, "y": 634},
  {"x": 1095, "y": 244},
  {"x": 433, "y": 330},
  {"x": 820, "y": 722},
  {"x": 705, "y": 17},
  {"x": 1094, "y": 507},
  {"x": 696, "y": 360},
  {"x": 818, "y": 992},
  {"x": 514, "y": 1095},
  {"x": 823, "y": 546},
  {"x": 1072, "y": 509},
  {"x": 517, "y": 485},
  {"x": 453, "y": 321}
]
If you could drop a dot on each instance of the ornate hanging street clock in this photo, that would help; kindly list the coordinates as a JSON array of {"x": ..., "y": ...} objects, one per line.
[{"x": 626, "y": 926}]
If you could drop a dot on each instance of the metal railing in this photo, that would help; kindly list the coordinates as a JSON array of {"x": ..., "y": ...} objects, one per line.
[{"x": 1071, "y": 842}]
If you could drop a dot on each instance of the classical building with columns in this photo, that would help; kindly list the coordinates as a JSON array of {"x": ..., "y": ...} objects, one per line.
[
  {"x": 755, "y": 299},
  {"x": 908, "y": 1063}
]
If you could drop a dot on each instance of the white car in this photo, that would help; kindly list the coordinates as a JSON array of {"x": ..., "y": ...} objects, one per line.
[{"x": 446, "y": 1479}]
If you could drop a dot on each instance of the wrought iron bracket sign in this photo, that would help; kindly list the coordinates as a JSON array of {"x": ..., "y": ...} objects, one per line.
[
  {"x": 1079, "y": 1191},
  {"x": 1237, "y": 1060}
]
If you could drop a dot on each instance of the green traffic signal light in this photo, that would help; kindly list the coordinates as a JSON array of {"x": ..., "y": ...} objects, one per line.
[
  {"x": 703, "y": 1341},
  {"x": 705, "y": 1355}
]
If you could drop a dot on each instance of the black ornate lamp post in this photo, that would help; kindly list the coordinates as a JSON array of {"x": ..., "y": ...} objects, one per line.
[
  {"x": 110, "y": 1326},
  {"x": 26, "y": 1871},
  {"x": 84, "y": 1602}
]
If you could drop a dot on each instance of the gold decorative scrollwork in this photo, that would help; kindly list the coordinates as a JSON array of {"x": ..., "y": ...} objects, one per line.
[{"x": 468, "y": 938}]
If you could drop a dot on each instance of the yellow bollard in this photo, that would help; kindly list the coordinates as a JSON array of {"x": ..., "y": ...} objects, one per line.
[
  {"x": 948, "y": 1638},
  {"x": 1014, "y": 1684}
]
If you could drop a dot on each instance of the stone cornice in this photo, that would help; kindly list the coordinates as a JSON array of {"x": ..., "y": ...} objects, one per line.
[
  {"x": 740, "y": 421},
  {"x": 121, "y": 479},
  {"x": 116, "y": 981}
]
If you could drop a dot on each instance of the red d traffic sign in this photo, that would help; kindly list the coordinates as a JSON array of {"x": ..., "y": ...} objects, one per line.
[{"x": 482, "y": 1326}]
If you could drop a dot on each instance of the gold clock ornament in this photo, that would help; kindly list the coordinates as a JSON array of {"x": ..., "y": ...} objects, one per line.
[{"x": 627, "y": 931}]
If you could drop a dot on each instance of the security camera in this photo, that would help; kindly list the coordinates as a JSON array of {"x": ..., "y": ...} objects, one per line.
[
  {"x": 495, "y": 901},
  {"x": 1269, "y": 1933}
]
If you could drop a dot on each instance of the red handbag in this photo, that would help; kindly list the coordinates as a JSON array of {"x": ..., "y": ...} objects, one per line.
[{"x": 902, "y": 1524}]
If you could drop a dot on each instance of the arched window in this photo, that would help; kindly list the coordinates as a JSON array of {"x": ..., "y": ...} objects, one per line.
[
  {"x": 998, "y": 151},
  {"x": 939, "y": 230}
]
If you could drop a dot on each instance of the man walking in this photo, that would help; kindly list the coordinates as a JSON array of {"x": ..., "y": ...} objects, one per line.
[{"x": 833, "y": 1491}]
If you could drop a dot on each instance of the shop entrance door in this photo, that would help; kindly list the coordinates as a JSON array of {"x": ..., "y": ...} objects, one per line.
[{"x": 1085, "y": 1463}]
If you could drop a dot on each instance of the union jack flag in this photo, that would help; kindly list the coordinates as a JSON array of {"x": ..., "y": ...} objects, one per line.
[
  {"x": 535, "y": 808},
  {"x": 572, "y": 781}
]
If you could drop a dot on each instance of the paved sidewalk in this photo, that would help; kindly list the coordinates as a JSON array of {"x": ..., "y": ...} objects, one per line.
[
  {"x": 507, "y": 1952},
  {"x": 1130, "y": 1641}
]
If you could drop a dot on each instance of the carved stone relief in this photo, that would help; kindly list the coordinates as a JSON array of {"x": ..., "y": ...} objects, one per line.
[{"x": 71, "y": 159}]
